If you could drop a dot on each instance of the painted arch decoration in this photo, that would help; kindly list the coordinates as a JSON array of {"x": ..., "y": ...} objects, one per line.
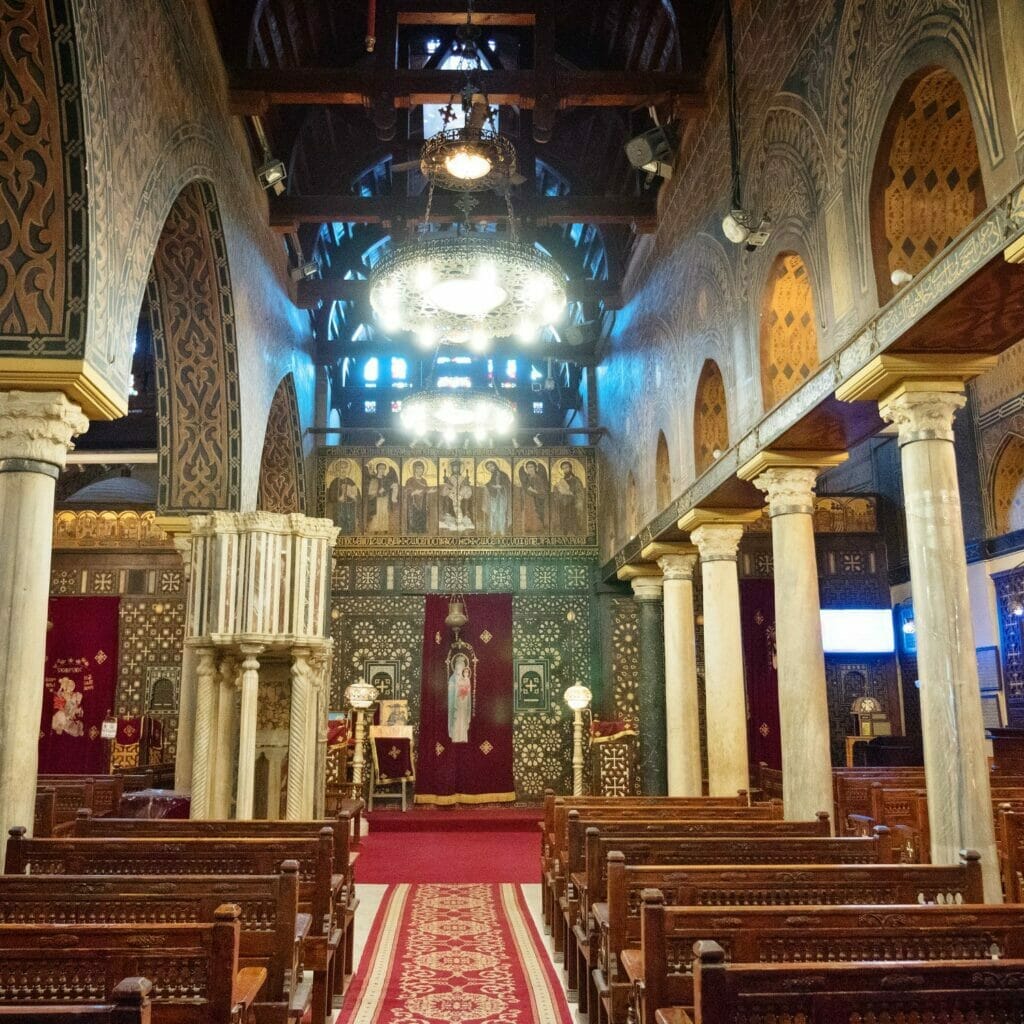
[{"x": 282, "y": 486}]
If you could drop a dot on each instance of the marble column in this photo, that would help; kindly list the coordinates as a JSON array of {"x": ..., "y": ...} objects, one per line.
[
  {"x": 955, "y": 757},
  {"x": 275, "y": 761},
  {"x": 250, "y": 684},
  {"x": 300, "y": 792},
  {"x": 724, "y": 689},
  {"x": 322, "y": 660},
  {"x": 184, "y": 744},
  {"x": 36, "y": 430},
  {"x": 224, "y": 733},
  {"x": 203, "y": 744},
  {"x": 682, "y": 702},
  {"x": 803, "y": 695},
  {"x": 651, "y": 689}
]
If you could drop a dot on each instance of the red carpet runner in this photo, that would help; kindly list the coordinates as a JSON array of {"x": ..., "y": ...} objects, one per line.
[{"x": 450, "y": 954}]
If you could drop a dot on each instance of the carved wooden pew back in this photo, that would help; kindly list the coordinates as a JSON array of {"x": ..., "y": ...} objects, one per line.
[{"x": 193, "y": 967}]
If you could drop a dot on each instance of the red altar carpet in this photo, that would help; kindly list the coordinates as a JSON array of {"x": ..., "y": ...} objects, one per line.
[
  {"x": 79, "y": 685},
  {"x": 757, "y": 611},
  {"x": 441, "y": 954},
  {"x": 465, "y": 747}
]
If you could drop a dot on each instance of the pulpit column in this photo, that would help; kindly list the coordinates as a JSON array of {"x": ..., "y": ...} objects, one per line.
[
  {"x": 318, "y": 764},
  {"x": 185, "y": 741},
  {"x": 647, "y": 591},
  {"x": 955, "y": 758},
  {"x": 250, "y": 684},
  {"x": 724, "y": 688},
  {"x": 682, "y": 701},
  {"x": 788, "y": 481},
  {"x": 203, "y": 765},
  {"x": 35, "y": 436},
  {"x": 300, "y": 793},
  {"x": 225, "y": 731}
]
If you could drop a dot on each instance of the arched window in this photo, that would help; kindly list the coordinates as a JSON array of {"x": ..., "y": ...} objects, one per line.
[
  {"x": 927, "y": 183},
  {"x": 1008, "y": 488},
  {"x": 710, "y": 417},
  {"x": 662, "y": 473},
  {"x": 789, "y": 336}
]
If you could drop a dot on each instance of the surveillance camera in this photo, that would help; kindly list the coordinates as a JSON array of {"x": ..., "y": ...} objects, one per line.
[
  {"x": 759, "y": 235},
  {"x": 735, "y": 228},
  {"x": 900, "y": 277}
]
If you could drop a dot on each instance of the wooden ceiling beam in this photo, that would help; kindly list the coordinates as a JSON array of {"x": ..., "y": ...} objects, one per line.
[
  {"x": 289, "y": 211},
  {"x": 581, "y": 355},
  {"x": 254, "y": 92},
  {"x": 311, "y": 293},
  {"x": 431, "y": 13}
]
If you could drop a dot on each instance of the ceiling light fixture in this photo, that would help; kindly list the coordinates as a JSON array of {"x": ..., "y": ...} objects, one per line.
[
  {"x": 467, "y": 289},
  {"x": 440, "y": 414}
]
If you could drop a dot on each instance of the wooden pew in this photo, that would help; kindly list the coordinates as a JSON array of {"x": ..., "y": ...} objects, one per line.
[
  {"x": 618, "y": 920},
  {"x": 193, "y": 967},
  {"x": 661, "y": 970},
  {"x": 100, "y": 793},
  {"x": 272, "y": 929},
  {"x": 129, "y": 1004},
  {"x": 86, "y": 825},
  {"x": 582, "y": 935},
  {"x": 940, "y": 991},
  {"x": 45, "y": 813},
  {"x": 555, "y": 858},
  {"x": 320, "y": 889}
]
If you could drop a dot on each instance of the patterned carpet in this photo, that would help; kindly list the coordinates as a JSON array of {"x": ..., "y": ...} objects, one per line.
[{"x": 453, "y": 954}]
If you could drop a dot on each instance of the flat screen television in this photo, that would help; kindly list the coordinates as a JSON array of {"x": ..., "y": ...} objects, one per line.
[{"x": 857, "y": 631}]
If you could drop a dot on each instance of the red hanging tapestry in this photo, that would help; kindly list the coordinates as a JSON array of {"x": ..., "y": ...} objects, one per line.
[
  {"x": 465, "y": 746},
  {"x": 79, "y": 685},
  {"x": 757, "y": 610}
]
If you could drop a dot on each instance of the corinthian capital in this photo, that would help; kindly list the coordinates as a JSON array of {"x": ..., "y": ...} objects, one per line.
[
  {"x": 39, "y": 426},
  {"x": 677, "y": 567},
  {"x": 717, "y": 542},
  {"x": 789, "y": 489},
  {"x": 923, "y": 415}
]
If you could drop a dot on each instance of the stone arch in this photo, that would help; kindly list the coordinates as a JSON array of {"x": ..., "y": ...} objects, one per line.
[
  {"x": 927, "y": 183},
  {"x": 191, "y": 310},
  {"x": 662, "y": 473},
  {"x": 788, "y": 332},
  {"x": 282, "y": 487},
  {"x": 632, "y": 507},
  {"x": 710, "y": 417},
  {"x": 1007, "y": 487}
]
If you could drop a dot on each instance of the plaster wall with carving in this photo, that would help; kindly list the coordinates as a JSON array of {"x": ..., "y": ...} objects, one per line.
[{"x": 819, "y": 84}]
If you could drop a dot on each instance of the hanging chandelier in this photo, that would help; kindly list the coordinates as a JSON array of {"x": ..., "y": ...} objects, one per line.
[
  {"x": 467, "y": 289},
  {"x": 450, "y": 417}
]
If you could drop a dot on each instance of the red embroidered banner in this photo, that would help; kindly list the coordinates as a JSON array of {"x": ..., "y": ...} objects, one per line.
[
  {"x": 465, "y": 747},
  {"x": 757, "y": 609},
  {"x": 80, "y": 683}
]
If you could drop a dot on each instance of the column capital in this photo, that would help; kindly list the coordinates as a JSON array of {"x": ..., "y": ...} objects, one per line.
[
  {"x": 718, "y": 542},
  {"x": 678, "y": 567},
  {"x": 697, "y": 517},
  {"x": 38, "y": 427},
  {"x": 647, "y": 588},
  {"x": 789, "y": 491},
  {"x": 922, "y": 415}
]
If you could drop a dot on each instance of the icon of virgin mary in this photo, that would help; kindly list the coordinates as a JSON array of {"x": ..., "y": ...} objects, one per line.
[{"x": 460, "y": 699}]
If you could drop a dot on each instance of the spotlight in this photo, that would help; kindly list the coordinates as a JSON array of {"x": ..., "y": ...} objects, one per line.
[
  {"x": 1018, "y": 609},
  {"x": 652, "y": 151},
  {"x": 381, "y": 441},
  {"x": 271, "y": 174},
  {"x": 900, "y": 277},
  {"x": 304, "y": 271},
  {"x": 537, "y": 441},
  {"x": 737, "y": 227}
]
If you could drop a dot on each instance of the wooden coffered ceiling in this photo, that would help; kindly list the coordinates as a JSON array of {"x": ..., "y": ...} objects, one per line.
[{"x": 573, "y": 79}]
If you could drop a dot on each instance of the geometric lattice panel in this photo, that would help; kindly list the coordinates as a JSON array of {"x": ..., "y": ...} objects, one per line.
[
  {"x": 710, "y": 417},
  {"x": 625, "y": 659},
  {"x": 542, "y": 740},
  {"x": 1008, "y": 488},
  {"x": 789, "y": 339},
  {"x": 933, "y": 187}
]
